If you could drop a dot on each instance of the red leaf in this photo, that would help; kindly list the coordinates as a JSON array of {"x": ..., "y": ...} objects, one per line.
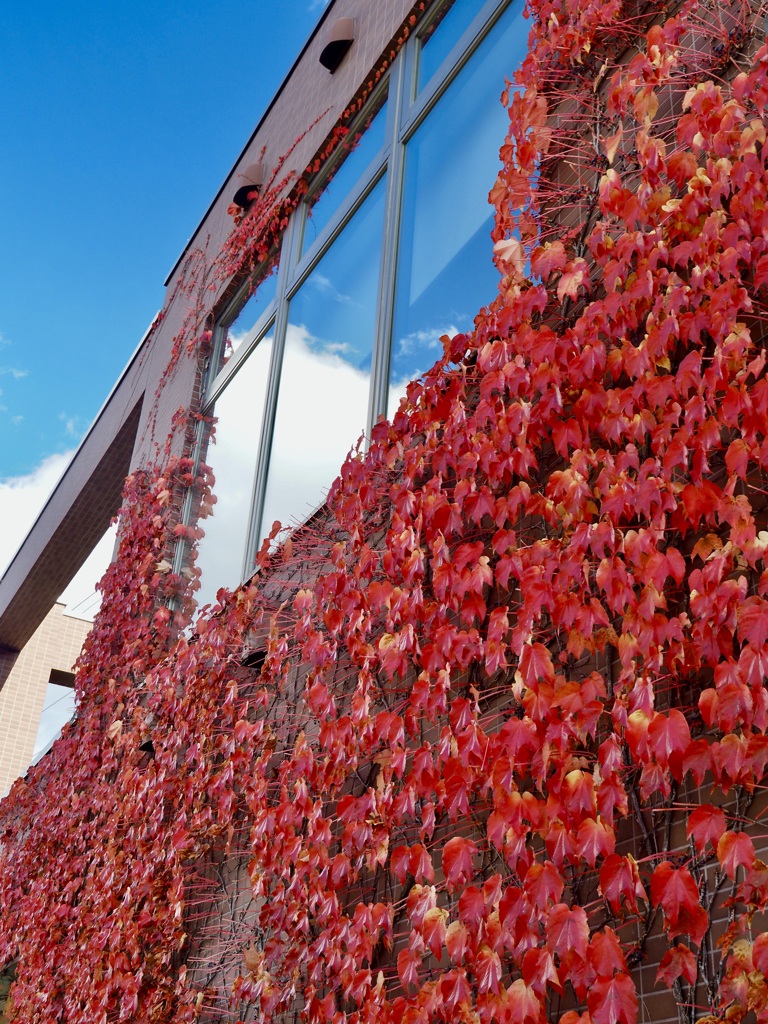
[
  {"x": 619, "y": 877},
  {"x": 678, "y": 962},
  {"x": 605, "y": 953},
  {"x": 578, "y": 793},
  {"x": 536, "y": 664},
  {"x": 669, "y": 738},
  {"x": 408, "y": 964},
  {"x": 575, "y": 274},
  {"x": 457, "y": 862},
  {"x": 737, "y": 458},
  {"x": 433, "y": 929},
  {"x": 543, "y": 884},
  {"x": 456, "y": 938},
  {"x": 455, "y": 988},
  {"x": 420, "y": 864},
  {"x": 595, "y": 839},
  {"x": 539, "y": 971},
  {"x": 567, "y": 930},
  {"x": 636, "y": 732},
  {"x": 524, "y": 1004},
  {"x": 548, "y": 258},
  {"x": 399, "y": 862},
  {"x": 753, "y": 621},
  {"x": 698, "y": 759},
  {"x": 487, "y": 969},
  {"x": 706, "y": 824},
  {"x": 735, "y": 850},
  {"x": 760, "y": 953},
  {"x": 613, "y": 1000},
  {"x": 675, "y": 890},
  {"x": 471, "y": 906}
]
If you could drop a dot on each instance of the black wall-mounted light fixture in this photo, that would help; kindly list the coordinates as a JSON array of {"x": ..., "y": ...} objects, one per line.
[
  {"x": 340, "y": 37},
  {"x": 254, "y": 179}
]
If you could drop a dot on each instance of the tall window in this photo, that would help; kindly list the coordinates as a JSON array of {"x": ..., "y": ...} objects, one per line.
[
  {"x": 325, "y": 374},
  {"x": 390, "y": 249},
  {"x": 239, "y": 413},
  {"x": 445, "y": 272}
]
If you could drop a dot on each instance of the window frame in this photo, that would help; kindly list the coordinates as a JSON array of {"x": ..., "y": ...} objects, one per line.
[{"x": 407, "y": 110}]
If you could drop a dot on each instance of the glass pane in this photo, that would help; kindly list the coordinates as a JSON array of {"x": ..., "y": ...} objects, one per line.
[
  {"x": 445, "y": 270},
  {"x": 442, "y": 34},
  {"x": 241, "y": 327},
  {"x": 239, "y": 411},
  {"x": 58, "y": 709},
  {"x": 326, "y": 371},
  {"x": 357, "y": 152}
]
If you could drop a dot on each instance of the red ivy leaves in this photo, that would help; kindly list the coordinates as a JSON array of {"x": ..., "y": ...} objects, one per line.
[
  {"x": 534, "y": 608},
  {"x": 675, "y": 891}
]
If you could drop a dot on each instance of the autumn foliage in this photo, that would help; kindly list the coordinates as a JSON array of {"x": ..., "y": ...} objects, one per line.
[{"x": 486, "y": 739}]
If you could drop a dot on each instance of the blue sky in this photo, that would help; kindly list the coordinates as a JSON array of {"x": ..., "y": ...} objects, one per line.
[{"x": 120, "y": 121}]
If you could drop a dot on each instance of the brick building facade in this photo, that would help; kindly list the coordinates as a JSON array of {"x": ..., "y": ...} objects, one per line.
[{"x": 482, "y": 736}]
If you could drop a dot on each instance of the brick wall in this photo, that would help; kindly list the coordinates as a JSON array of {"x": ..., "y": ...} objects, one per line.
[{"x": 23, "y": 681}]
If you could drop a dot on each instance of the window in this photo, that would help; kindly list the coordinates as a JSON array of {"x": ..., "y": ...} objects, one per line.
[
  {"x": 445, "y": 271},
  {"x": 239, "y": 412},
  {"x": 58, "y": 708},
  {"x": 240, "y": 325},
  {"x": 336, "y": 183},
  {"x": 389, "y": 250},
  {"x": 325, "y": 376},
  {"x": 440, "y": 35}
]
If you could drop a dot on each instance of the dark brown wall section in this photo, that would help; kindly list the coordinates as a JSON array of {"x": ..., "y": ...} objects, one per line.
[{"x": 27, "y": 591}]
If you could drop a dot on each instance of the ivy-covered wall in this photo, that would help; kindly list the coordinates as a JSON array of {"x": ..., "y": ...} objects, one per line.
[{"x": 486, "y": 739}]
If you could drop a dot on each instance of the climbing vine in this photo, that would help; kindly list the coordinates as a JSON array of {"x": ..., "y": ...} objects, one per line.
[{"x": 485, "y": 740}]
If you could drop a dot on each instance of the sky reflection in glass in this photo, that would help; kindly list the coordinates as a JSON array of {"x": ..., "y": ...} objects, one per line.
[
  {"x": 58, "y": 709},
  {"x": 242, "y": 326},
  {"x": 361, "y": 146},
  {"x": 239, "y": 411},
  {"x": 325, "y": 376},
  {"x": 445, "y": 271},
  {"x": 441, "y": 36}
]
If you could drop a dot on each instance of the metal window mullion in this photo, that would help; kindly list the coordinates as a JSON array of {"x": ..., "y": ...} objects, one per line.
[
  {"x": 308, "y": 260},
  {"x": 273, "y": 388},
  {"x": 400, "y": 78},
  {"x": 216, "y": 385},
  {"x": 181, "y": 546}
]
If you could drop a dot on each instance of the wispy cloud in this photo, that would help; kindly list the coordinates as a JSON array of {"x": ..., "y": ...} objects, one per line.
[
  {"x": 72, "y": 425},
  {"x": 12, "y": 371},
  {"x": 325, "y": 286},
  {"x": 317, "y": 5},
  {"x": 424, "y": 341}
]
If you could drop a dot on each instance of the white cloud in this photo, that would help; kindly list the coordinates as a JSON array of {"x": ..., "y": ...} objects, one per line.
[
  {"x": 10, "y": 371},
  {"x": 420, "y": 341},
  {"x": 81, "y": 597},
  {"x": 323, "y": 419},
  {"x": 22, "y": 498}
]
